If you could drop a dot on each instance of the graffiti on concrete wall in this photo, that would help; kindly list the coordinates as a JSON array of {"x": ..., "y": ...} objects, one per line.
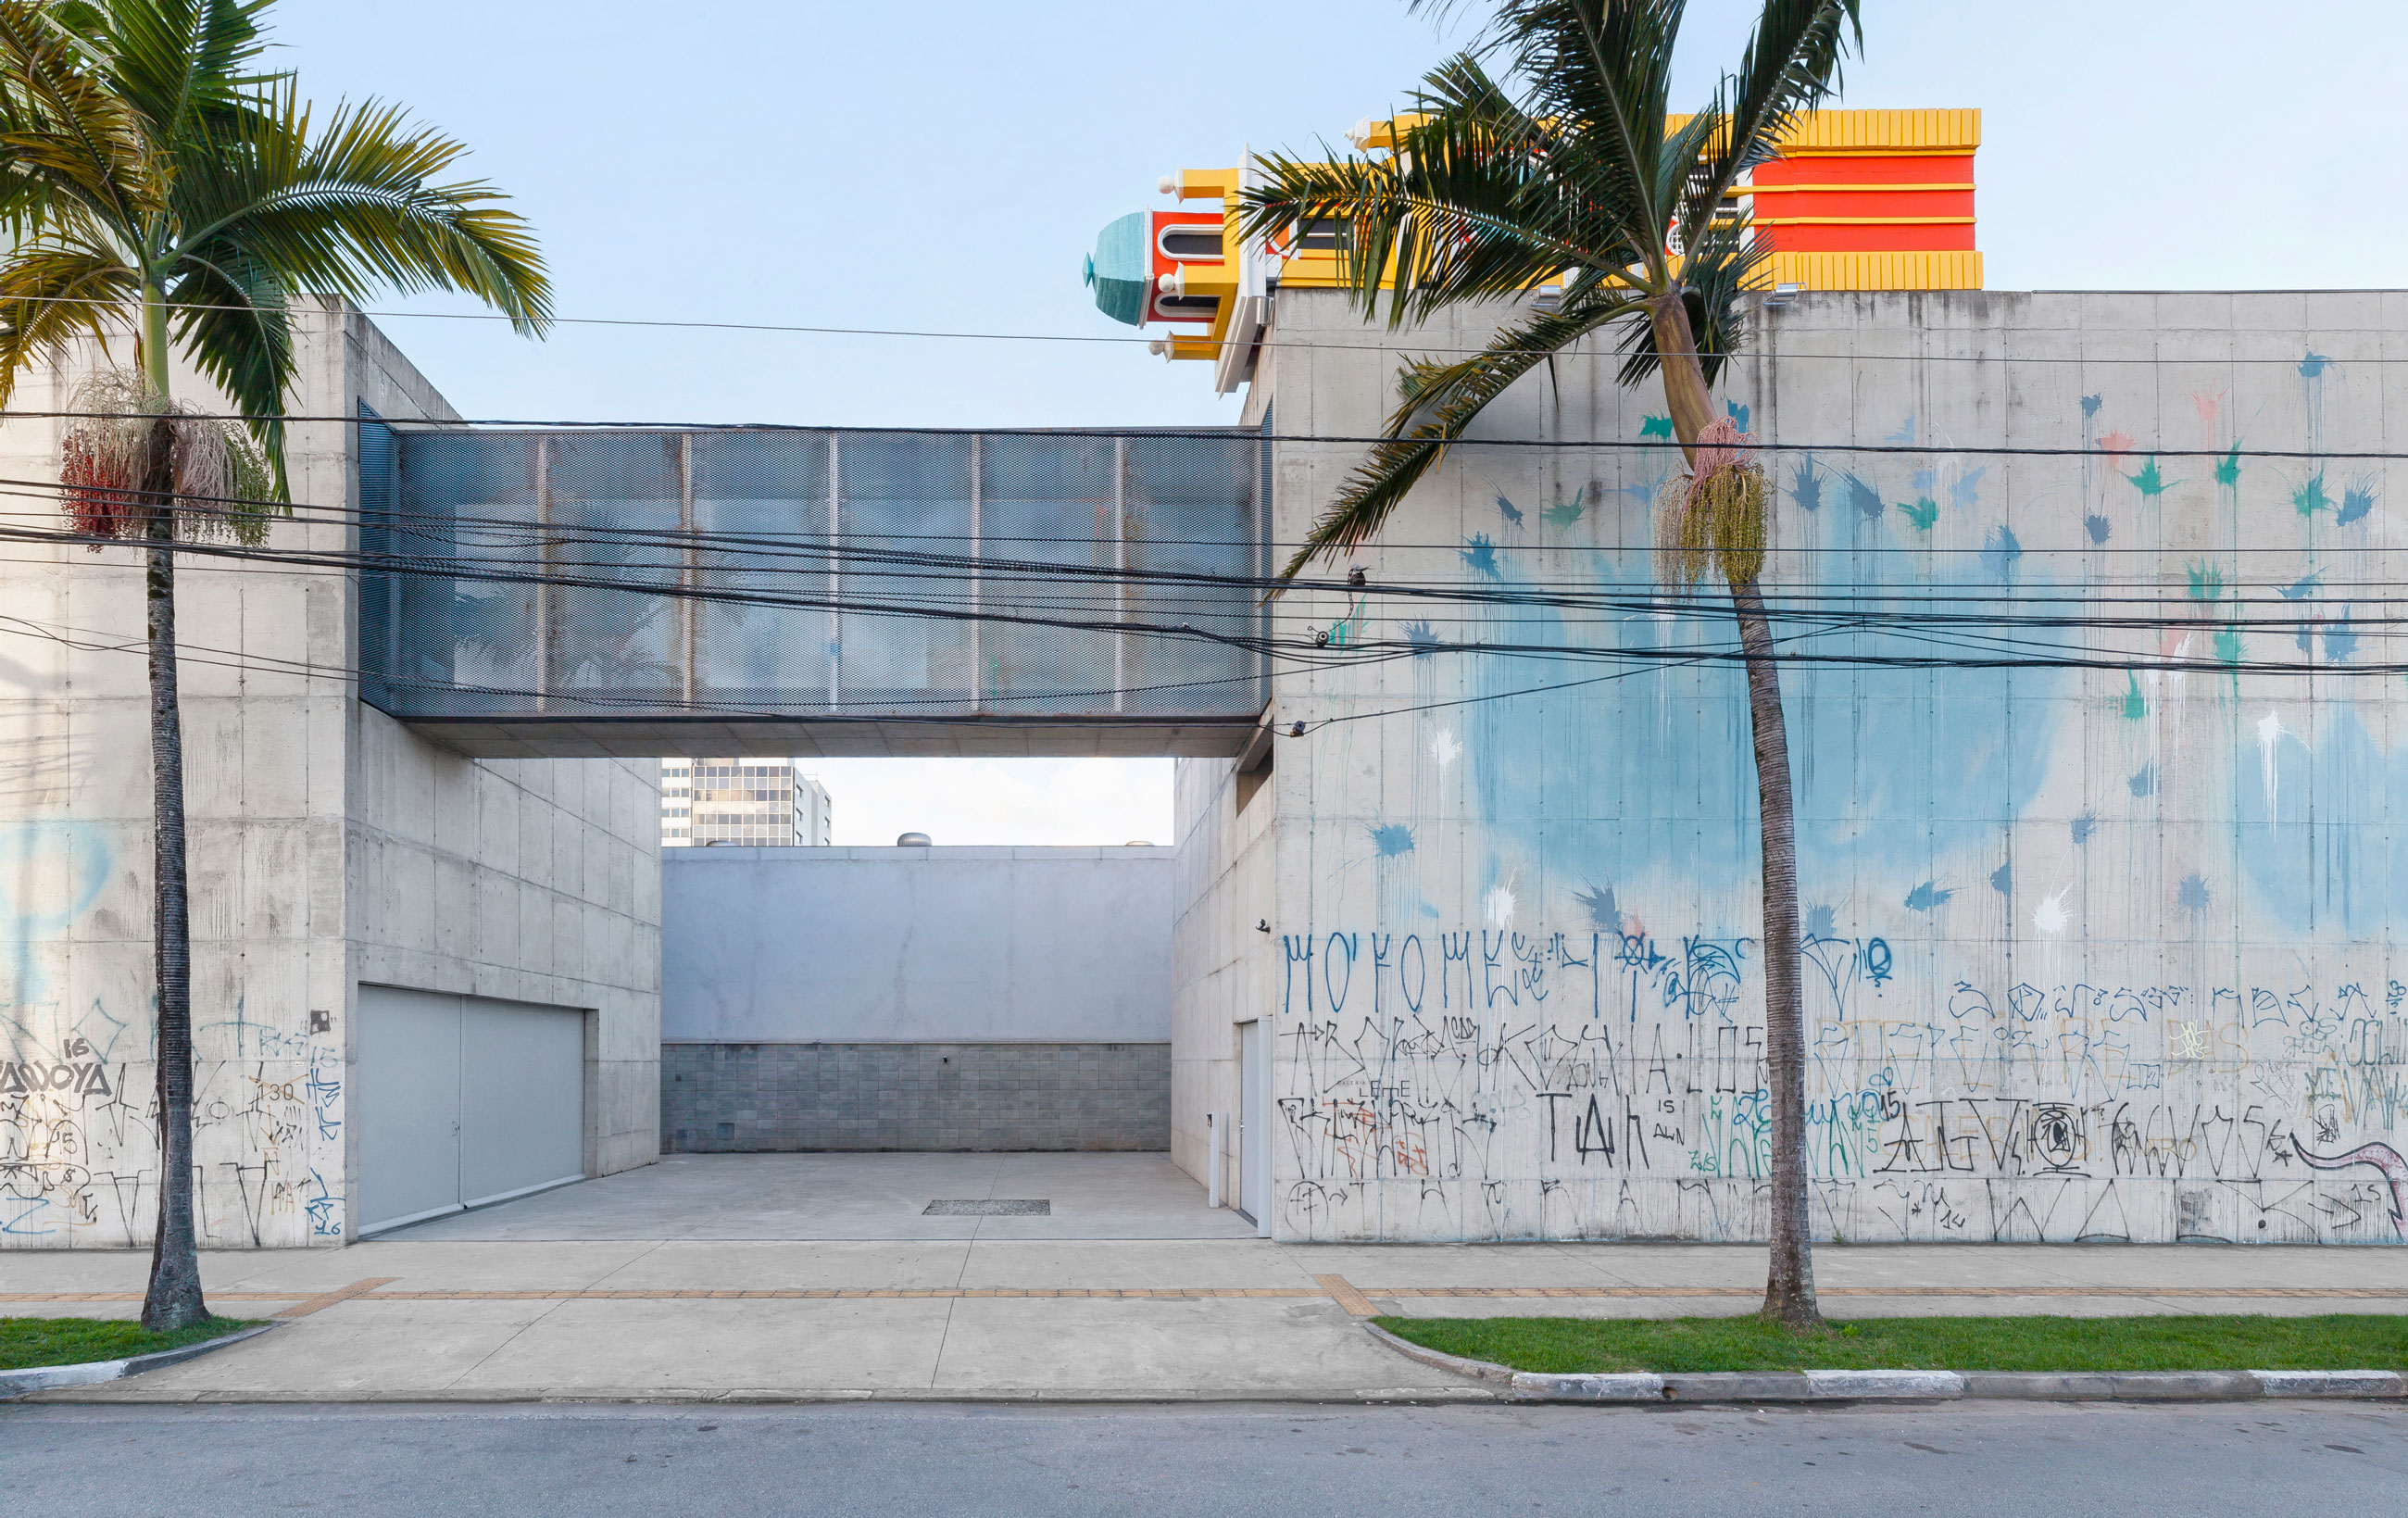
[
  {"x": 2099, "y": 905},
  {"x": 1491, "y": 1083},
  {"x": 79, "y": 1112}
]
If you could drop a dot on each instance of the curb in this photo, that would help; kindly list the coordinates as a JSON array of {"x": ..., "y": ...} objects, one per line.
[
  {"x": 25, "y": 1383},
  {"x": 1646, "y": 1388}
]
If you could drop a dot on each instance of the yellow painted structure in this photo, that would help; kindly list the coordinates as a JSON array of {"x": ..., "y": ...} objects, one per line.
[{"x": 1857, "y": 200}]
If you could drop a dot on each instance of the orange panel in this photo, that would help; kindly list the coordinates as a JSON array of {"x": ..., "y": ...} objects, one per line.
[
  {"x": 1890, "y": 168},
  {"x": 1811, "y": 203},
  {"x": 1164, "y": 262},
  {"x": 1909, "y": 236}
]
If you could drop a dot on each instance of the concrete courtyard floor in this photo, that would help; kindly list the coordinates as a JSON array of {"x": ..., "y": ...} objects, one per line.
[{"x": 818, "y": 1276}]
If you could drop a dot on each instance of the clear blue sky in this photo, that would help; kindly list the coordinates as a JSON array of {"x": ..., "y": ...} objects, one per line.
[{"x": 947, "y": 165}]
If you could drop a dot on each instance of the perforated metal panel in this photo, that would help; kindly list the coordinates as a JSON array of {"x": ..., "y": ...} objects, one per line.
[{"x": 663, "y": 577}]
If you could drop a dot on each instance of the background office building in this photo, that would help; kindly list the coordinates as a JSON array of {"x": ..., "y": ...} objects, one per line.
[{"x": 756, "y": 803}]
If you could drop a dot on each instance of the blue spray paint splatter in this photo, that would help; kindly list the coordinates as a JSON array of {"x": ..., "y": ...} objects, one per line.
[
  {"x": 2002, "y": 880},
  {"x": 2099, "y": 528},
  {"x": 1737, "y": 411},
  {"x": 1419, "y": 637},
  {"x": 2340, "y": 642},
  {"x": 1654, "y": 426},
  {"x": 1999, "y": 555},
  {"x": 1926, "y": 896},
  {"x": 1392, "y": 838},
  {"x": 2312, "y": 367},
  {"x": 1821, "y": 922},
  {"x": 2303, "y": 587},
  {"x": 2084, "y": 826},
  {"x": 1926, "y": 480},
  {"x": 1806, "y": 488},
  {"x": 2357, "y": 500},
  {"x": 2090, "y": 405},
  {"x": 2145, "y": 782},
  {"x": 1966, "y": 490},
  {"x": 1603, "y": 910},
  {"x": 1904, "y": 435},
  {"x": 1863, "y": 497},
  {"x": 1508, "y": 510},
  {"x": 2192, "y": 893},
  {"x": 1480, "y": 554}
]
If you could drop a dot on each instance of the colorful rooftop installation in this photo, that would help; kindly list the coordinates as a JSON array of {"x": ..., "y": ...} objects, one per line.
[{"x": 1858, "y": 200}]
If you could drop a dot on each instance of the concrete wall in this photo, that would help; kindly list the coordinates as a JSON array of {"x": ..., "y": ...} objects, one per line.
[
  {"x": 2104, "y": 952},
  {"x": 327, "y": 846},
  {"x": 1224, "y": 966},
  {"x": 927, "y": 999},
  {"x": 916, "y": 945}
]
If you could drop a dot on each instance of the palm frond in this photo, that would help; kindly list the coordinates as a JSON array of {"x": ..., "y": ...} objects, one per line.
[
  {"x": 1600, "y": 71},
  {"x": 1792, "y": 65},
  {"x": 182, "y": 63},
  {"x": 50, "y": 295},
  {"x": 1466, "y": 207},
  {"x": 232, "y": 315},
  {"x": 68, "y": 143},
  {"x": 1438, "y": 402},
  {"x": 349, "y": 209}
]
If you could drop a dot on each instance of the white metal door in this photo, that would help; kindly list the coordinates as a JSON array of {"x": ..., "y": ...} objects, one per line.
[
  {"x": 406, "y": 1107},
  {"x": 460, "y": 1101},
  {"x": 522, "y": 1099},
  {"x": 1254, "y": 1127}
]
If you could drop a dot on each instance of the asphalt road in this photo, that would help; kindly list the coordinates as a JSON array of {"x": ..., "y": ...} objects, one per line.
[{"x": 1396, "y": 1462}]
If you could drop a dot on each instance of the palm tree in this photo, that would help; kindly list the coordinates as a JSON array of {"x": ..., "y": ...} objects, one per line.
[
  {"x": 1565, "y": 164},
  {"x": 154, "y": 178}
]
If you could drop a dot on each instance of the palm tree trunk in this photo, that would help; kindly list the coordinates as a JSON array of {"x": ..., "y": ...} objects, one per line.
[
  {"x": 174, "y": 1299},
  {"x": 1789, "y": 1285},
  {"x": 1789, "y": 1281}
]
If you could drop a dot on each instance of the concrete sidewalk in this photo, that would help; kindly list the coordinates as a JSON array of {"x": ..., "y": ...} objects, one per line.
[{"x": 1012, "y": 1318}]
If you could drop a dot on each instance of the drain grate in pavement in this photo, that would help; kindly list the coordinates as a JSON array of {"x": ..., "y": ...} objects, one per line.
[{"x": 990, "y": 1208}]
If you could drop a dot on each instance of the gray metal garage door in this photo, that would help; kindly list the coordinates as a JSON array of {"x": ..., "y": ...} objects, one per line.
[{"x": 460, "y": 1101}]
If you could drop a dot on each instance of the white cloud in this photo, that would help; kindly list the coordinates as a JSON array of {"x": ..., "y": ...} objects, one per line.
[{"x": 997, "y": 801}]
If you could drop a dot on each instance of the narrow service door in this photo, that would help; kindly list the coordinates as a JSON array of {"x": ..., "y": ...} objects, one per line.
[{"x": 1254, "y": 1127}]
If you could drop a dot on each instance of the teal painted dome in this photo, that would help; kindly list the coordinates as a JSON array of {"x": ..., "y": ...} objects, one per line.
[{"x": 1121, "y": 268}]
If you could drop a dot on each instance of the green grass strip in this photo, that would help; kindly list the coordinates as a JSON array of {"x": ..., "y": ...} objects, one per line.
[
  {"x": 2341, "y": 1342},
  {"x": 26, "y": 1342}
]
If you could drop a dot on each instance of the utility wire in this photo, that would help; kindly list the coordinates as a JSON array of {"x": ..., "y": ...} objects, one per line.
[
  {"x": 1243, "y": 435},
  {"x": 1294, "y": 650},
  {"x": 1009, "y": 581},
  {"x": 1116, "y": 339}
]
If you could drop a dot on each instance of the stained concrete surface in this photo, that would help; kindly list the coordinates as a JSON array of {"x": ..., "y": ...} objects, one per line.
[
  {"x": 1166, "y": 1342},
  {"x": 836, "y": 1196},
  {"x": 2070, "y": 1462},
  {"x": 661, "y": 1239}
]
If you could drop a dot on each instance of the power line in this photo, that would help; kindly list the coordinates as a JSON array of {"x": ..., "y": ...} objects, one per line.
[
  {"x": 1011, "y": 581},
  {"x": 1643, "y": 445},
  {"x": 1358, "y": 654},
  {"x": 1271, "y": 341}
]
